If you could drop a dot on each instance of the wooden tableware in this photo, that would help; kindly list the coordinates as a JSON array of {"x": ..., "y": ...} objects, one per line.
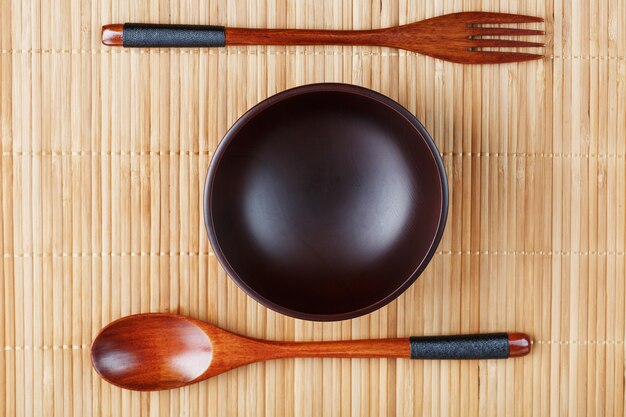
[
  {"x": 457, "y": 37},
  {"x": 148, "y": 352},
  {"x": 326, "y": 201}
]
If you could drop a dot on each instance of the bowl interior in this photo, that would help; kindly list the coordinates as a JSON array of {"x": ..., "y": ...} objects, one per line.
[{"x": 325, "y": 204}]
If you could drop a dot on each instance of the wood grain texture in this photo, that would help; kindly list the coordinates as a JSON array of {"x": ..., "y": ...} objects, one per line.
[
  {"x": 157, "y": 351},
  {"x": 456, "y": 37},
  {"x": 162, "y": 351},
  {"x": 103, "y": 158},
  {"x": 452, "y": 37}
]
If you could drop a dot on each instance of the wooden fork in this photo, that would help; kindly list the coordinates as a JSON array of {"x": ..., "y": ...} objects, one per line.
[{"x": 457, "y": 37}]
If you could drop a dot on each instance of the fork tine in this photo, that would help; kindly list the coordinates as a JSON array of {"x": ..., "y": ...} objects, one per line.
[
  {"x": 504, "y": 43},
  {"x": 482, "y": 31},
  {"x": 486, "y": 17},
  {"x": 489, "y": 57}
]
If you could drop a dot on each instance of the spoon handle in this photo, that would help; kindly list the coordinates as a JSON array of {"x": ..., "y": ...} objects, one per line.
[{"x": 477, "y": 346}]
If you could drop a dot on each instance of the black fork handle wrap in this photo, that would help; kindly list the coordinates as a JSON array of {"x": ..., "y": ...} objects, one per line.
[{"x": 142, "y": 35}]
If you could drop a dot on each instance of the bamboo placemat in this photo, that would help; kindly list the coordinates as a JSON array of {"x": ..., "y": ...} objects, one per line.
[{"x": 104, "y": 154}]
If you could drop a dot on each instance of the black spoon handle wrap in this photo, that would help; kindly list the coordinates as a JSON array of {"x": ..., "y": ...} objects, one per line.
[
  {"x": 140, "y": 35},
  {"x": 479, "y": 346}
]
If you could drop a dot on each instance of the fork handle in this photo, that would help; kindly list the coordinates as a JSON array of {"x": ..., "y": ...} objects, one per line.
[{"x": 141, "y": 35}]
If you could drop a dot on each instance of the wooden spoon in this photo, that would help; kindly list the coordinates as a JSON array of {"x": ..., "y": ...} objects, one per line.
[{"x": 147, "y": 352}]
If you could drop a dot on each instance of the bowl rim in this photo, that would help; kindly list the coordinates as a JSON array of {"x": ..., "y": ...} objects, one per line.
[{"x": 231, "y": 134}]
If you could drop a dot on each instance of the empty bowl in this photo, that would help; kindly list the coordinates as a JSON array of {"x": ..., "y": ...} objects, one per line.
[{"x": 325, "y": 202}]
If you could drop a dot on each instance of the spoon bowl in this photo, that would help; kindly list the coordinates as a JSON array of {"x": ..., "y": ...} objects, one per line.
[
  {"x": 148, "y": 352},
  {"x": 164, "y": 352}
]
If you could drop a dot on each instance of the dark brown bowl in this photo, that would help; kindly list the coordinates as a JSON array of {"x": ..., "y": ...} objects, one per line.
[{"x": 326, "y": 201}]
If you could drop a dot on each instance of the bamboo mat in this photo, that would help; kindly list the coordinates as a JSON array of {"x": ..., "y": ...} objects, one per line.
[{"x": 104, "y": 154}]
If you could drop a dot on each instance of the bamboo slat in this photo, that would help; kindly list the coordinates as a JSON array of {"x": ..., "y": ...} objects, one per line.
[{"x": 104, "y": 154}]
